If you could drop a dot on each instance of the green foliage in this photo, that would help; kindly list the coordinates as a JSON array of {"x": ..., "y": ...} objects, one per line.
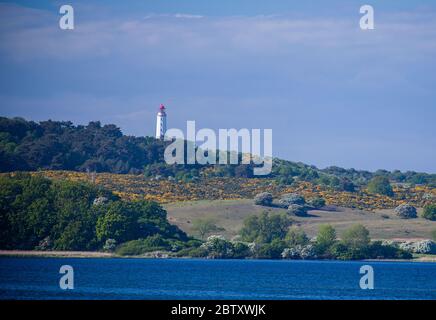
[
  {"x": 60, "y": 145},
  {"x": 433, "y": 234},
  {"x": 265, "y": 227},
  {"x": 296, "y": 236},
  {"x": 380, "y": 185},
  {"x": 240, "y": 250},
  {"x": 354, "y": 244},
  {"x": 316, "y": 203},
  {"x": 110, "y": 245},
  {"x": 377, "y": 250},
  {"x": 152, "y": 243},
  {"x": 217, "y": 247},
  {"x": 356, "y": 237},
  {"x": 36, "y": 212},
  {"x": 272, "y": 250},
  {"x": 325, "y": 239},
  {"x": 429, "y": 212},
  {"x": 205, "y": 226}
]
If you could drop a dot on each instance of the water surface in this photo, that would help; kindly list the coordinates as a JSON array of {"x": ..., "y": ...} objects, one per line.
[{"x": 96, "y": 278}]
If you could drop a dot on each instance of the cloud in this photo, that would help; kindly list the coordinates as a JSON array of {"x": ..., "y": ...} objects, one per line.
[
  {"x": 323, "y": 76},
  {"x": 162, "y": 35},
  {"x": 176, "y": 15}
]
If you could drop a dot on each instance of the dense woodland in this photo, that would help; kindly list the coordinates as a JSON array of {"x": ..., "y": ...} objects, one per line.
[
  {"x": 59, "y": 145},
  {"x": 39, "y": 213}
]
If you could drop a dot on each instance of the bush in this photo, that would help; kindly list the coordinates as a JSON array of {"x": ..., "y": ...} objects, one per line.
[
  {"x": 272, "y": 250},
  {"x": 263, "y": 199},
  {"x": 197, "y": 252},
  {"x": 240, "y": 250},
  {"x": 296, "y": 236},
  {"x": 291, "y": 198},
  {"x": 433, "y": 234},
  {"x": 422, "y": 247},
  {"x": 316, "y": 203},
  {"x": 141, "y": 246},
  {"x": 429, "y": 212},
  {"x": 297, "y": 210},
  {"x": 406, "y": 211},
  {"x": 299, "y": 252},
  {"x": 380, "y": 185},
  {"x": 110, "y": 245},
  {"x": 216, "y": 247}
]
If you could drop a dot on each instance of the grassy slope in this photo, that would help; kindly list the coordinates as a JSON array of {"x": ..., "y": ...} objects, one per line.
[{"x": 229, "y": 214}]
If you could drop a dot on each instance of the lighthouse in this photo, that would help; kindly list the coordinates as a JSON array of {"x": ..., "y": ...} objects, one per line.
[{"x": 161, "y": 123}]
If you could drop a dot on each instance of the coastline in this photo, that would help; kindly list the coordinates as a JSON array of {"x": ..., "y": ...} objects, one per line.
[
  {"x": 56, "y": 254},
  {"x": 97, "y": 254}
]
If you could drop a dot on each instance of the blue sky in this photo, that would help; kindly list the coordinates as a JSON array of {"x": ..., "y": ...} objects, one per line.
[{"x": 332, "y": 93}]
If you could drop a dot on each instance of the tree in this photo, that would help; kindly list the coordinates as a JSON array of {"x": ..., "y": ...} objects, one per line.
[
  {"x": 38, "y": 213},
  {"x": 218, "y": 248},
  {"x": 271, "y": 250},
  {"x": 205, "y": 226},
  {"x": 356, "y": 237},
  {"x": 429, "y": 212},
  {"x": 265, "y": 227},
  {"x": 296, "y": 236},
  {"x": 114, "y": 225},
  {"x": 325, "y": 238},
  {"x": 380, "y": 185}
]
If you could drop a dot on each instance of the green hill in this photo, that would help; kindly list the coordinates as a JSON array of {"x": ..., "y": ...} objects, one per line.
[{"x": 60, "y": 145}]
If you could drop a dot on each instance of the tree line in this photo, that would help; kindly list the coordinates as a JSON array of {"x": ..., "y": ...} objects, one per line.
[
  {"x": 61, "y": 145},
  {"x": 38, "y": 213}
]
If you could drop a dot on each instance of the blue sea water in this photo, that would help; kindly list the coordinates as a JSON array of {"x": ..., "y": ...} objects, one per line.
[{"x": 94, "y": 278}]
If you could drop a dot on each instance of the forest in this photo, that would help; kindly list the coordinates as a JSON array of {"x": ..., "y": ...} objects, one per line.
[
  {"x": 42, "y": 214},
  {"x": 61, "y": 145}
]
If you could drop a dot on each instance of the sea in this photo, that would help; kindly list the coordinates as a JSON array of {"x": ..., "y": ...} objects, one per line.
[{"x": 135, "y": 278}]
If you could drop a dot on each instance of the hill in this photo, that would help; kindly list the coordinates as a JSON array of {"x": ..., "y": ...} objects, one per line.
[
  {"x": 60, "y": 145},
  {"x": 229, "y": 214}
]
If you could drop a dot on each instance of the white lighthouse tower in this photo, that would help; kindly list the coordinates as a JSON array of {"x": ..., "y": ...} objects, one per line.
[{"x": 161, "y": 123}]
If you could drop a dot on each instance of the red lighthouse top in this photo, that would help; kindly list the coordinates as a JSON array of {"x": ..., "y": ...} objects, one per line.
[{"x": 162, "y": 107}]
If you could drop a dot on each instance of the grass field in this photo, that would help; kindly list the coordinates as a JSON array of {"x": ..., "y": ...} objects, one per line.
[{"x": 229, "y": 214}]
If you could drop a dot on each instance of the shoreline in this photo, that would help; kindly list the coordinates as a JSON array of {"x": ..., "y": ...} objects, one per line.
[
  {"x": 98, "y": 254},
  {"x": 56, "y": 254}
]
